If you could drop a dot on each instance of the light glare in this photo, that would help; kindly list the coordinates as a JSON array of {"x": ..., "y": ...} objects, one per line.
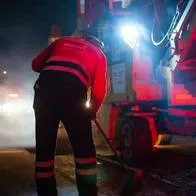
[
  {"x": 15, "y": 107},
  {"x": 131, "y": 34},
  {"x": 13, "y": 95},
  {"x": 88, "y": 104}
]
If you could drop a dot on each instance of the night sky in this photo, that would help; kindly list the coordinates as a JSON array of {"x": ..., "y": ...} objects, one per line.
[{"x": 25, "y": 27}]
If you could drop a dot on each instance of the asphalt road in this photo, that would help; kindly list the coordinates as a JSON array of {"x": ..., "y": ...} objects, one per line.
[
  {"x": 17, "y": 172},
  {"x": 17, "y": 175}
]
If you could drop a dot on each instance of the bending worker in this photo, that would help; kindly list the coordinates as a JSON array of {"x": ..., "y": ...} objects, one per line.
[{"x": 68, "y": 67}]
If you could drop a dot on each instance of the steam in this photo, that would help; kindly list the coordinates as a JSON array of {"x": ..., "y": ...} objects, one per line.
[
  {"x": 17, "y": 130},
  {"x": 23, "y": 34}
]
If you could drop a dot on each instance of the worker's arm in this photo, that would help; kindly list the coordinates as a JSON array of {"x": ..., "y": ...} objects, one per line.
[
  {"x": 39, "y": 61},
  {"x": 98, "y": 89}
]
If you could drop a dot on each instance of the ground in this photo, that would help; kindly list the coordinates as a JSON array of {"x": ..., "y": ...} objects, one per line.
[
  {"x": 17, "y": 175},
  {"x": 175, "y": 164}
]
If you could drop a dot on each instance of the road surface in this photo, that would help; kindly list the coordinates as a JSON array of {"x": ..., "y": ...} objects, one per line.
[
  {"x": 17, "y": 175},
  {"x": 17, "y": 172}
]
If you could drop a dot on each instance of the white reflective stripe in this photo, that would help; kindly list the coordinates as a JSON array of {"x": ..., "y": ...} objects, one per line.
[{"x": 86, "y": 172}]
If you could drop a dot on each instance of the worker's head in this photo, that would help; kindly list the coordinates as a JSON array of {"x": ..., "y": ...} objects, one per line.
[
  {"x": 89, "y": 34},
  {"x": 94, "y": 40}
]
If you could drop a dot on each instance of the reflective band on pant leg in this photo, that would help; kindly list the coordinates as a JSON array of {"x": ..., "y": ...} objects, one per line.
[
  {"x": 88, "y": 160},
  {"x": 86, "y": 170},
  {"x": 45, "y": 163},
  {"x": 45, "y": 169},
  {"x": 45, "y": 178},
  {"x": 45, "y": 174}
]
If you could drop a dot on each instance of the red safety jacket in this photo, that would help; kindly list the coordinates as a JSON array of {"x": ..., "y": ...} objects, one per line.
[{"x": 89, "y": 64}]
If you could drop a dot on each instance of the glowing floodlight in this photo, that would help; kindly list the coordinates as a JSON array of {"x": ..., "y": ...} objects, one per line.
[{"x": 131, "y": 34}]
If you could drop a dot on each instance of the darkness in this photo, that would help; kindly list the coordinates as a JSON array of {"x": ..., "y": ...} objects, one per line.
[{"x": 25, "y": 27}]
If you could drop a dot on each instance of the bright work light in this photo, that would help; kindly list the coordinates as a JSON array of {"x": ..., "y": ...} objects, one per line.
[
  {"x": 131, "y": 34},
  {"x": 88, "y": 105}
]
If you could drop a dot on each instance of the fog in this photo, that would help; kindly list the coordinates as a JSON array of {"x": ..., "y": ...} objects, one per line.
[
  {"x": 24, "y": 32},
  {"x": 17, "y": 128}
]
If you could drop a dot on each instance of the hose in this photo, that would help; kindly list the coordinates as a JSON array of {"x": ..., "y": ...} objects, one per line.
[
  {"x": 173, "y": 23},
  {"x": 157, "y": 43}
]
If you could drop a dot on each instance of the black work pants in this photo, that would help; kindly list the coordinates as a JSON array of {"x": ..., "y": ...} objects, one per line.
[{"x": 60, "y": 96}]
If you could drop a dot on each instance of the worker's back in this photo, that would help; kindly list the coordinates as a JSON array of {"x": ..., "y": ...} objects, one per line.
[
  {"x": 80, "y": 57},
  {"x": 78, "y": 51}
]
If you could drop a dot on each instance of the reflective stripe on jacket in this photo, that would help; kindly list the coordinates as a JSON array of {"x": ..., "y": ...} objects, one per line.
[{"x": 82, "y": 53}]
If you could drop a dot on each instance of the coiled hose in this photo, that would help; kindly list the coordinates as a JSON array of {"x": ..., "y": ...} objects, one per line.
[{"x": 180, "y": 7}]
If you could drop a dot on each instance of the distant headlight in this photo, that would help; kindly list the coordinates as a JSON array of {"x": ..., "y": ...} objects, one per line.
[
  {"x": 13, "y": 95},
  {"x": 15, "y": 107}
]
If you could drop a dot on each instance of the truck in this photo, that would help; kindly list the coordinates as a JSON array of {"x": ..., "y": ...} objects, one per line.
[{"x": 151, "y": 50}]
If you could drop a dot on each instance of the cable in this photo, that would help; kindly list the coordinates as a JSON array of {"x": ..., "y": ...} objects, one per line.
[
  {"x": 175, "y": 18},
  {"x": 157, "y": 43}
]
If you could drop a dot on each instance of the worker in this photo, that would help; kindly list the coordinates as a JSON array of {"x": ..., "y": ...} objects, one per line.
[{"x": 68, "y": 68}]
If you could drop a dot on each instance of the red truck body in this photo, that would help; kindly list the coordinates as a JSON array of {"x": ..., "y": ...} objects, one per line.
[{"x": 144, "y": 101}]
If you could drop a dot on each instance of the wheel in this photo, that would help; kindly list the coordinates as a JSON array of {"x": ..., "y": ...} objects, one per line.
[
  {"x": 127, "y": 142},
  {"x": 135, "y": 141},
  {"x": 164, "y": 140}
]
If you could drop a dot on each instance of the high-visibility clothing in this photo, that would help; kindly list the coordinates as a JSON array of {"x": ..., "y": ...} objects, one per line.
[
  {"x": 58, "y": 97},
  {"x": 45, "y": 169},
  {"x": 88, "y": 60}
]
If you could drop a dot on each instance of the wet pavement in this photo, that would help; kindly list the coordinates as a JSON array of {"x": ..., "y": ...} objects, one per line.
[
  {"x": 17, "y": 175},
  {"x": 171, "y": 172}
]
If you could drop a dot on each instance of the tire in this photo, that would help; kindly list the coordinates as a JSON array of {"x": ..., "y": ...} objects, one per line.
[
  {"x": 135, "y": 141},
  {"x": 127, "y": 142}
]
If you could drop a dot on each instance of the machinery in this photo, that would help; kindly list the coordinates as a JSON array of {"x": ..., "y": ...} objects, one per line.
[{"x": 151, "y": 50}]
